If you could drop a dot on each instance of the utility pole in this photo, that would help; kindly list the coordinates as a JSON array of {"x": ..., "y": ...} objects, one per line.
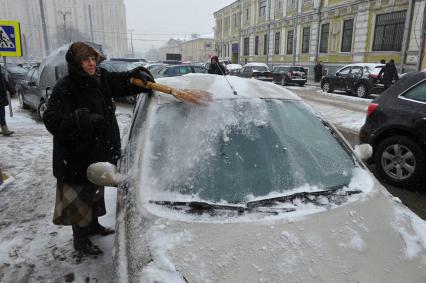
[
  {"x": 268, "y": 33},
  {"x": 296, "y": 22},
  {"x": 64, "y": 16},
  {"x": 131, "y": 42},
  {"x": 43, "y": 25},
  {"x": 92, "y": 38}
]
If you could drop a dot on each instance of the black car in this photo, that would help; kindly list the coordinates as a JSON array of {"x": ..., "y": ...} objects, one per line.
[
  {"x": 179, "y": 70},
  {"x": 361, "y": 79},
  {"x": 33, "y": 92},
  {"x": 396, "y": 129},
  {"x": 289, "y": 75},
  {"x": 257, "y": 71}
]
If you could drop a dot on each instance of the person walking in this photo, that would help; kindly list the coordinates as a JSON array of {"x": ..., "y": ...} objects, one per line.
[
  {"x": 4, "y": 101},
  {"x": 80, "y": 115},
  {"x": 216, "y": 67},
  {"x": 389, "y": 73},
  {"x": 318, "y": 70}
]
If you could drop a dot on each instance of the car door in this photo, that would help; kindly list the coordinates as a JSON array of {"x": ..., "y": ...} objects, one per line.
[
  {"x": 352, "y": 79},
  {"x": 340, "y": 80},
  {"x": 33, "y": 89},
  {"x": 247, "y": 73},
  {"x": 414, "y": 101},
  {"x": 25, "y": 89}
]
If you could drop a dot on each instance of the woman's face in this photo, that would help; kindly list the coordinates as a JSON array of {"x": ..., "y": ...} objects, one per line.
[{"x": 89, "y": 65}]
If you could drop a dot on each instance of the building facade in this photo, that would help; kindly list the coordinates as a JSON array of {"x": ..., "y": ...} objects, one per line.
[
  {"x": 335, "y": 32},
  {"x": 198, "y": 49},
  {"x": 100, "y": 21}
]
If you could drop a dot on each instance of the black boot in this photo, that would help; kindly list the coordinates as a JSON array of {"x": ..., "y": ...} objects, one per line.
[
  {"x": 97, "y": 229},
  {"x": 82, "y": 243}
]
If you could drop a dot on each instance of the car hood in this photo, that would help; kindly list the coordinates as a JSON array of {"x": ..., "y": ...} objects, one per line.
[{"x": 374, "y": 239}]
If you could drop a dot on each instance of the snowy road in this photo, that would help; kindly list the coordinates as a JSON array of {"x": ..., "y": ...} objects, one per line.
[{"x": 32, "y": 248}]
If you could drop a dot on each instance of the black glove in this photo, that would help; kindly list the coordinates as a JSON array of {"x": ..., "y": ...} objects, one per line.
[{"x": 141, "y": 73}]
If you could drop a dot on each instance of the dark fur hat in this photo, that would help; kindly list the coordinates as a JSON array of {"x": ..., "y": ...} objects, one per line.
[{"x": 79, "y": 51}]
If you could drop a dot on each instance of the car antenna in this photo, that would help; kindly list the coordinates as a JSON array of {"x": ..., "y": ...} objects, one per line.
[{"x": 233, "y": 89}]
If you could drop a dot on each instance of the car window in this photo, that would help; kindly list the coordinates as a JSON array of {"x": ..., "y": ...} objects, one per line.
[
  {"x": 34, "y": 76},
  {"x": 183, "y": 70},
  {"x": 345, "y": 71},
  {"x": 29, "y": 74},
  {"x": 260, "y": 68},
  {"x": 233, "y": 156},
  {"x": 297, "y": 69},
  {"x": 417, "y": 93},
  {"x": 356, "y": 70},
  {"x": 247, "y": 69},
  {"x": 200, "y": 70},
  {"x": 375, "y": 70},
  {"x": 107, "y": 67}
]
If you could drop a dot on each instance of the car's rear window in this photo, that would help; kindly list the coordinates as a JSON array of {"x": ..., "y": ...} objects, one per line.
[
  {"x": 240, "y": 148},
  {"x": 375, "y": 70},
  {"x": 260, "y": 68}
]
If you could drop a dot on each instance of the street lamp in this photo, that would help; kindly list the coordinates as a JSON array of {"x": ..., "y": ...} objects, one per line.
[{"x": 64, "y": 16}]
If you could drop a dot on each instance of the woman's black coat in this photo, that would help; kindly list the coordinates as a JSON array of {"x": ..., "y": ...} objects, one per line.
[{"x": 81, "y": 117}]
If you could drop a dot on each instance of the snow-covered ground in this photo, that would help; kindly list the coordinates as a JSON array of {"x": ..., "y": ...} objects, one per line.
[{"x": 32, "y": 248}]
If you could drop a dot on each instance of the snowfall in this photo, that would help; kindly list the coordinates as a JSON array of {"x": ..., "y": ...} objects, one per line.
[{"x": 32, "y": 248}]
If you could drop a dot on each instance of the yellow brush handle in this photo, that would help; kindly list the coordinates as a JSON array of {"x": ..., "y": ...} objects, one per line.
[{"x": 151, "y": 85}]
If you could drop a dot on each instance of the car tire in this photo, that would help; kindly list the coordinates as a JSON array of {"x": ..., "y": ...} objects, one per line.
[
  {"x": 361, "y": 91},
  {"x": 400, "y": 161},
  {"x": 302, "y": 84},
  {"x": 21, "y": 101},
  {"x": 41, "y": 109},
  {"x": 326, "y": 87},
  {"x": 130, "y": 99}
]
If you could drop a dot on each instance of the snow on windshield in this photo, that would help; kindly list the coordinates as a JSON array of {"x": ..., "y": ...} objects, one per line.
[{"x": 239, "y": 148}]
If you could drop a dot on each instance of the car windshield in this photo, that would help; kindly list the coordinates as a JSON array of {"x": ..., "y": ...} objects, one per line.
[
  {"x": 260, "y": 68},
  {"x": 297, "y": 69},
  {"x": 122, "y": 66},
  {"x": 242, "y": 148}
]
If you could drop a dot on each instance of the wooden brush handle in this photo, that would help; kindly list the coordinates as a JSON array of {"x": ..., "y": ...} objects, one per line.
[{"x": 151, "y": 85}]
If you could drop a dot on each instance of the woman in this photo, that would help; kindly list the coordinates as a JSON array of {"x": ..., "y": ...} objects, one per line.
[{"x": 80, "y": 116}]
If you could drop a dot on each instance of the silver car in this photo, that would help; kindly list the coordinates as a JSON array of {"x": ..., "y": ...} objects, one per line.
[{"x": 255, "y": 187}]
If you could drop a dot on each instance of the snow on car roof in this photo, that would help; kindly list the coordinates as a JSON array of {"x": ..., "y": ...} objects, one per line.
[
  {"x": 220, "y": 89},
  {"x": 256, "y": 64},
  {"x": 373, "y": 65}
]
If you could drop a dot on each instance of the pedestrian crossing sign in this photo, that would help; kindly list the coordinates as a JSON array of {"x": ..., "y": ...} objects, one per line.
[{"x": 10, "y": 39}]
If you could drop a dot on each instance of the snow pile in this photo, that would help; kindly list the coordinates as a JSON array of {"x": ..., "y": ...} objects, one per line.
[
  {"x": 412, "y": 230},
  {"x": 162, "y": 269}
]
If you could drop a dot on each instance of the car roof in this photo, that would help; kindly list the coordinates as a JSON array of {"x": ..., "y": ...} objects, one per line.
[
  {"x": 256, "y": 64},
  {"x": 220, "y": 89},
  {"x": 373, "y": 65}
]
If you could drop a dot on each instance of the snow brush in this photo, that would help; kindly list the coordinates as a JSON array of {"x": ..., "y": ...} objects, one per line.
[{"x": 199, "y": 97}]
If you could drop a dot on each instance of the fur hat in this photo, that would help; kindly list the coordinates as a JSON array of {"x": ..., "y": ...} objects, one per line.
[{"x": 79, "y": 51}]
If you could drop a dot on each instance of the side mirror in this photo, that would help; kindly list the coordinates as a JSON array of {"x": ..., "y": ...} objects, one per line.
[
  {"x": 363, "y": 151},
  {"x": 337, "y": 74},
  {"x": 104, "y": 174}
]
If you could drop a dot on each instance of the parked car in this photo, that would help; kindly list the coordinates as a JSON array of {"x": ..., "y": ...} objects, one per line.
[
  {"x": 360, "y": 79},
  {"x": 15, "y": 74},
  {"x": 119, "y": 66},
  {"x": 396, "y": 129},
  {"x": 179, "y": 70},
  {"x": 289, "y": 75},
  {"x": 33, "y": 93},
  {"x": 258, "y": 71},
  {"x": 233, "y": 68},
  {"x": 254, "y": 187}
]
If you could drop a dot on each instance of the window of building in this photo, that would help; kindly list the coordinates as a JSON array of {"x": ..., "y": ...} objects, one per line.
[
  {"x": 290, "y": 34},
  {"x": 277, "y": 43},
  {"x": 227, "y": 23},
  {"x": 256, "y": 45},
  {"x": 278, "y": 5},
  {"x": 325, "y": 28},
  {"x": 262, "y": 8},
  {"x": 389, "y": 31},
  {"x": 246, "y": 46},
  {"x": 305, "y": 39},
  {"x": 265, "y": 44},
  {"x": 291, "y": 3},
  {"x": 348, "y": 27},
  {"x": 247, "y": 14}
]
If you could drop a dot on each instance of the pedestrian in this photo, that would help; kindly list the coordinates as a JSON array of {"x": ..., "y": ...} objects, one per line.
[
  {"x": 389, "y": 73},
  {"x": 80, "y": 116},
  {"x": 318, "y": 70},
  {"x": 216, "y": 67},
  {"x": 4, "y": 101}
]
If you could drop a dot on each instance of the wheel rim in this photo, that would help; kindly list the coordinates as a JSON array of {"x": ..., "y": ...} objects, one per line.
[
  {"x": 360, "y": 91},
  {"x": 42, "y": 109},
  {"x": 398, "y": 162},
  {"x": 326, "y": 87}
]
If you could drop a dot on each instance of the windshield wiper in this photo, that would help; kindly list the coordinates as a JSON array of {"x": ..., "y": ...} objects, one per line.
[
  {"x": 200, "y": 207},
  {"x": 305, "y": 196}
]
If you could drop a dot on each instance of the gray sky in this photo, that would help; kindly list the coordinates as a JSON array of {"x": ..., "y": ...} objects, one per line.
[{"x": 155, "y": 21}]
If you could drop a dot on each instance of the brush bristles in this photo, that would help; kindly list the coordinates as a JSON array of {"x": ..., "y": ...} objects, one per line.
[{"x": 193, "y": 96}]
